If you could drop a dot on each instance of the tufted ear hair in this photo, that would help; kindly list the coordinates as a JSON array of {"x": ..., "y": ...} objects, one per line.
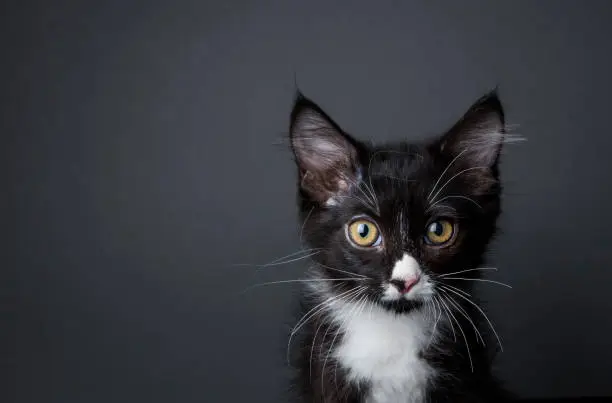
[
  {"x": 327, "y": 158},
  {"x": 478, "y": 136}
]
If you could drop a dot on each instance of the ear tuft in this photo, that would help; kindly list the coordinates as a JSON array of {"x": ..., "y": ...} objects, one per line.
[
  {"x": 479, "y": 135},
  {"x": 326, "y": 156}
]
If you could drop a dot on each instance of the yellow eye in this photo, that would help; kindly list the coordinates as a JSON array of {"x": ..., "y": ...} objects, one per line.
[
  {"x": 364, "y": 233},
  {"x": 439, "y": 232}
]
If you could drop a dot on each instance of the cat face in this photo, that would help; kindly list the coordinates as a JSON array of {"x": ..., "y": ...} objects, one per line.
[{"x": 395, "y": 219}]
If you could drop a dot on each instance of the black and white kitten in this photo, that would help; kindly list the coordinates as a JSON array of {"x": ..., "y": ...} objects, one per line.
[{"x": 397, "y": 232}]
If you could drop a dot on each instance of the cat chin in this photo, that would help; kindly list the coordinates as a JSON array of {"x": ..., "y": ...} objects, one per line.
[{"x": 403, "y": 306}]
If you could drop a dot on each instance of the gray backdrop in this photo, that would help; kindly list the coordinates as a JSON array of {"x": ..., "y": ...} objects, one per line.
[{"x": 142, "y": 146}]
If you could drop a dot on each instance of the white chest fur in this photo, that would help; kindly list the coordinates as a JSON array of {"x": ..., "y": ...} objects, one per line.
[{"x": 383, "y": 348}]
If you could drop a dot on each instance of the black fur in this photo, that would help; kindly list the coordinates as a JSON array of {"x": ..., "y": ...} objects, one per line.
[{"x": 334, "y": 165}]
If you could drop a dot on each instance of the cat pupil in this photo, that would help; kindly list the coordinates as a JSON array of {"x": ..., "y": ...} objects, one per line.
[
  {"x": 436, "y": 228},
  {"x": 363, "y": 230}
]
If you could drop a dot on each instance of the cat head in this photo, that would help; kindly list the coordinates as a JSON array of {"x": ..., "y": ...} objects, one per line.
[{"x": 396, "y": 219}]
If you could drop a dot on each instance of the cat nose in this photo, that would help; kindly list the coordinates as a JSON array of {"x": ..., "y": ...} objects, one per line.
[{"x": 404, "y": 286}]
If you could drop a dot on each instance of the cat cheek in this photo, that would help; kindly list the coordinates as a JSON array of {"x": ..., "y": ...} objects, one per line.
[{"x": 436, "y": 258}]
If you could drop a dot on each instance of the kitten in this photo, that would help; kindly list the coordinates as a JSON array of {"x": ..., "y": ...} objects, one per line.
[{"x": 397, "y": 234}]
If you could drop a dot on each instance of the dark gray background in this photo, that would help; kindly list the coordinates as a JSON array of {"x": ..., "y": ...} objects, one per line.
[{"x": 141, "y": 142}]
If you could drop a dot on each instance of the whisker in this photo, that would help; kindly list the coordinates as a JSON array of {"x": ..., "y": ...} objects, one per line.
[
  {"x": 439, "y": 315},
  {"x": 454, "y": 288},
  {"x": 452, "y": 301},
  {"x": 396, "y": 178},
  {"x": 454, "y": 176},
  {"x": 479, "y": 279},
  {"x": 311, "y": 313},
  {"x": 440, "y": 302},
  {"x": 453, "y": 197},
  {"x": 483, "y": 314},
  {"x": 359, "y": 199},
  {"x": 304, "y": 224},
  {"x": 359, "y": 311},
  {"x": 343, "y": 271},
  {"x": 371, "y": 191},
  {"x": 463, "y": 333},
  {"x": 302, "y": 281},
  {"x": 354, "y": 291},
  {"x": 428, "y": 313},
  {"x": 369, "y": 166},
  {"x": 371, "y": 201},
  {"x": 318, "y": 308},
  {"x": 433, "y": 189},
  {"x": 372, "y": 304},
  {"x": 372, "y": 195},
  {"x": 334, "y": 339},
  {"x": 465, "y": 271},
  {"x": 386, "y": 151},
  {"x": 278, "y": 261},
  {"x": 289, "y": 261},
  {"x": 314, "y": 340}
]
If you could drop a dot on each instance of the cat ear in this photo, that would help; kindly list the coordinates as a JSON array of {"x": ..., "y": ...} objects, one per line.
[
  {"x": 478, "y": 136},
  {"x": 327, "y": 157}
]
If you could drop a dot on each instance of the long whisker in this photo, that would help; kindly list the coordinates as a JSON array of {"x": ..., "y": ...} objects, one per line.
[
  {"x": 479, "y": 279},
  {"x": 465, "y": 271},
  {"x": 334, "y": 339},
  {"x": 483, "y": 314},
  {"x": 376, "y": 202},
  {"x": 439, "y": 315},
  {"x": 363, "y": 304},
  {"x": 343, "y": 271},
  {"x": 453, "y": 197},
  {"x": 359, "y": 199},
  {"x": 371, "y": 191},
  {"x": 355, "y": 291},
  {"x": 440, "y": 302},
  {"x": 371, "y": 197},
  {"x": 369, "y": 166},
  {"x": 314, "y": 340},
  {"x": 454, "y": 288},
  {"x": 428, "y": 313},
  {"x": 291, "y": 260},
  {"x": 463, "y": 333},
  {"x": 319, "y": 307},
  {"x": 281, "y": 260},
  {"x": 293, "y": 254},
  {"x": 387, "y": 151},
  {"x": 303, "y": 280},
  {"x": 452, "y": 301},
  {"x": 313, "y": 312},
  {"x": 452, "y": 178},
  {"x": 397, "y": 178},
  {"x": 433, "y": 189},
  {"x": 304, "y": 224}
]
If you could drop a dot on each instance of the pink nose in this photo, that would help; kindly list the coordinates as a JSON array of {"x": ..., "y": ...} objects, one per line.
[
  {"x": 409, "y": 283},
  {"x": 404, "y": 286}
]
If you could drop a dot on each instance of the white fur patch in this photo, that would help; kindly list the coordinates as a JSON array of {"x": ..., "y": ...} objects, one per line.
[
  {"x": 382, "y": 348},
  {"x": 331, "y": 202},
  {"x": 405, "y": 269}
]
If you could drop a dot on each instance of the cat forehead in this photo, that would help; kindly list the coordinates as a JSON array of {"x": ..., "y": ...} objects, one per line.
[
  {"x": 401, "y": 162},
  {"x": 401, "y": 176}
]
